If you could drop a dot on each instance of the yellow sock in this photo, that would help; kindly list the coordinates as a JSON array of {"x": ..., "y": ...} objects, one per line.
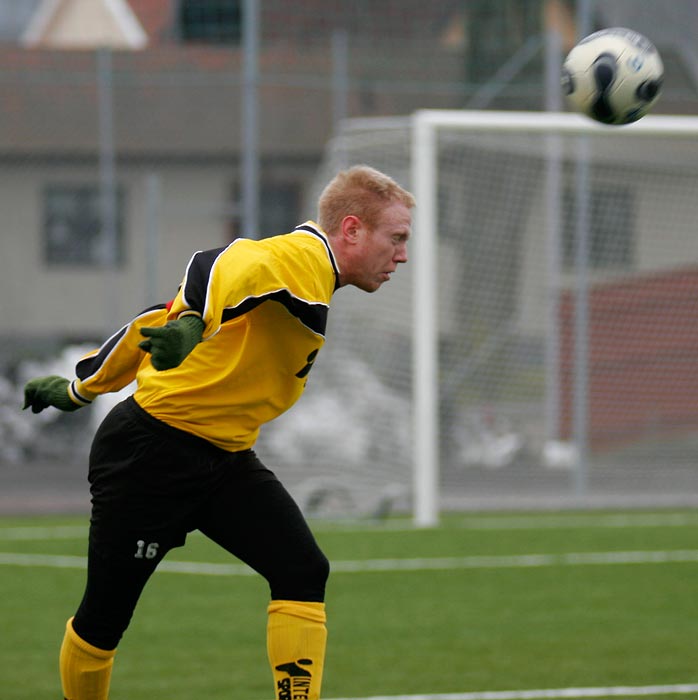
[
  {"x": 296, "y": 638},
  {"x": 85, "y": 670}
]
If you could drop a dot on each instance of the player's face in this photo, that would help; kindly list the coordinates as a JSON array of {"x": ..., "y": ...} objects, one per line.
[{"x": 383, "y": 247}]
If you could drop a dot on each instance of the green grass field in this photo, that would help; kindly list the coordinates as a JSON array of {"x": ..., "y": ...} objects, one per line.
[{"x": 491, "y": 602}]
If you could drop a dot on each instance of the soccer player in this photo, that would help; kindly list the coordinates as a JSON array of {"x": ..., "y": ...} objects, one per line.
[{"x": 232, "y": 351}]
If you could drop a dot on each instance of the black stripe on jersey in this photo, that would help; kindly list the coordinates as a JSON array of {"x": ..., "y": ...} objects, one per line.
[
  {"x": 197, "y": 278},
  {"x": 311, "y": 229},
  {"x": 90, "y": 365},
  {"x": 78, "y": 395},
  {"x": 313, "y": 316}
]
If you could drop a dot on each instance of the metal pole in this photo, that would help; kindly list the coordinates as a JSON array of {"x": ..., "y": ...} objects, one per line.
[
  {"x": 425, "y": 340},
  {"x": 553, "y": 188},
  {"x": 581, "y": 317},
  {"x": 108, "y": 251},
  {"x": 250, "y": 122},
  {"x": 153, "y": 201},
  {"x": 581, "y": 320},
  {"x": 340, "y": 77}
]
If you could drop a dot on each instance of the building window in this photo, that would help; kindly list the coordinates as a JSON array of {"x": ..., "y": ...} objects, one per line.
[
  {"x": 279, "y": 210},
  {"x": 210, "y": 21},
  {"x": 611, "y": 241},
  {"x": 497, "y": 31},
  {"x": 73, "y": 227}
]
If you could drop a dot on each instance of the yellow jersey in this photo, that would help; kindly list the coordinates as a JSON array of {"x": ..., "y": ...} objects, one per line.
[{"x": 264, "y": 305}]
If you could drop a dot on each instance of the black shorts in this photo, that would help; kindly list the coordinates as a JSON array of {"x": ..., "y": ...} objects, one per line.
[
  {"x": 152, "y": 484},
  {"x": 158, "y": 483}
]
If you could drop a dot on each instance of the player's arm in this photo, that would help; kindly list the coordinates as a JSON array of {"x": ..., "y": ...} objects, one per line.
[
  {"x": 213, "y": 282},
  {"x": 42, "y": 392},
  {"x": 168, "y": 345},
  {"x": 200, "y": 295},
  {"x": 190, "y": 316},
  {"x": 224, "y": 283},
  {"x": 220, "y": 285},
  {"x": 109, "y": 368}
]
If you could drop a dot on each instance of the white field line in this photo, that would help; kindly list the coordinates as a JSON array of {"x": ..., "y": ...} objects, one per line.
[
  {"x": 614, "y": 691},
  {"x": 595, "y": 520},
  {"x": 391, "y": 565},
  {"x": 58, "y": 532},
  {"x": 484, "y": 522},
  {"x": 541, "y": 522},
  {"x": 517, "y": 561}
]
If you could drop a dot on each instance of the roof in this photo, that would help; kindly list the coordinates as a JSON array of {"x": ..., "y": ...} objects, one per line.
[
  {"x": 155, "y": 16},
  {"x": 185, "y": 101},
  {"x": 170, "y": 102},
  {"x": 84, "y": 23},
  {"x": 175, "y": 100}
]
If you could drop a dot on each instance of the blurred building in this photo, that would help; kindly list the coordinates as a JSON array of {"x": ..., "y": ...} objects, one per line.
[
  {"x": 122, "y": 152},
  {"x": 120, "y": 122}
]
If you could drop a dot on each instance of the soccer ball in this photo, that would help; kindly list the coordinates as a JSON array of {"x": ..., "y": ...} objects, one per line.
[{"x": 613, "y": 76}]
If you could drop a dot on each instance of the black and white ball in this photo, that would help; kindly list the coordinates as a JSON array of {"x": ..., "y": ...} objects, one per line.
[{"x": 613, "y": 76}]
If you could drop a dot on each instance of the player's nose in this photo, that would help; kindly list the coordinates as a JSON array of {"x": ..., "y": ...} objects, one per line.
[{"x": 401, "y": 254}]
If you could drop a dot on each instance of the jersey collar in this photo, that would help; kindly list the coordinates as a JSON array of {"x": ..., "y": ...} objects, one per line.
[{"x": 312, "y": 228}]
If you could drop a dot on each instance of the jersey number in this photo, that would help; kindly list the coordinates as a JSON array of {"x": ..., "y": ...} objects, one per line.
[
  {"x": 303, "y": 372},
  {"x": 146, "y": 551}
]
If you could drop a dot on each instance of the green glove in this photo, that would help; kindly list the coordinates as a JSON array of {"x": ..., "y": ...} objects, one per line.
[
  {"x": 171, "y": 343},
  {"x": 43, "y": 392}
]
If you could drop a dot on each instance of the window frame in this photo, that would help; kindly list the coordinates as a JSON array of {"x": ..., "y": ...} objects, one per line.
[{"x": 78, "y": 207}]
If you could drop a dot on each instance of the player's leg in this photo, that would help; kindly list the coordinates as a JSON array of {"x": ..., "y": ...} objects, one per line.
[
  {"x": 85, "y": 669},
  {"x": 256, "y": 519},
  {"x": 115, "y": 580},
  {"x": 296, "y": 642},
  {"x": 127, "y": 541}
]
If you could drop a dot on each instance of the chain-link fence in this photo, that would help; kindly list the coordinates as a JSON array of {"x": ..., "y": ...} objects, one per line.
[{"x": 116, "y": 165}]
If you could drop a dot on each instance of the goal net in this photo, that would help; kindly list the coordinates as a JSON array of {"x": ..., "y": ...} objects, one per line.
[{"x": 540, "y": 349}]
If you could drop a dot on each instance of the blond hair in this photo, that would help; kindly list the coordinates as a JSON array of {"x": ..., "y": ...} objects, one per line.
[{"x": 361, "y": 191}]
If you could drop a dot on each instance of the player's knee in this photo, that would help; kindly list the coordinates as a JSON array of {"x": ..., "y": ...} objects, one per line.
[
  {"x": 320, "y": 570},
  {"x": 304, "y": 579},
  {"x": 103, "y": 633},
  {"x": 314, "y": 572}
]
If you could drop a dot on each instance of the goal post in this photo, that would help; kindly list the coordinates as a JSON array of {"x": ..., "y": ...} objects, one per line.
[
  {"x": 426, "y": 125},
  {"x": 539, "y": 349},
  {"x": 425, "y": 328}
]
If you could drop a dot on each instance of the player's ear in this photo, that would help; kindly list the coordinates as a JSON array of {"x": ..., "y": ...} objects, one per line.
[{"x": 351, "y": 226}]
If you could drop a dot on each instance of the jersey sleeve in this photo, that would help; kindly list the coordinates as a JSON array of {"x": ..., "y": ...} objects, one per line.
[
  {"x": 224, "y": 283},
  {"x": 114, "y": 365}
]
